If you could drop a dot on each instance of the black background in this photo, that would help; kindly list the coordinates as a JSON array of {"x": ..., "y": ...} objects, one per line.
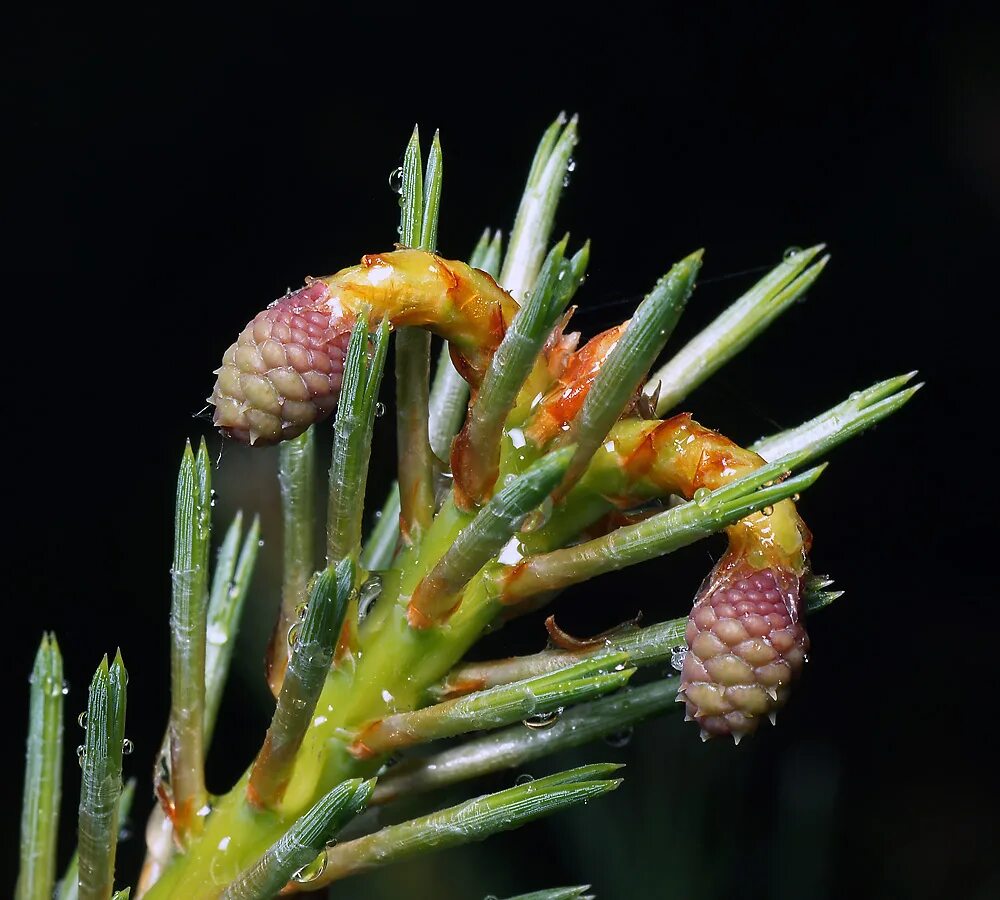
[{"x": 173, "y": 173}]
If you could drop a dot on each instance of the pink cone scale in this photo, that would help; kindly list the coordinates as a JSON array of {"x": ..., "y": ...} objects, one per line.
[
  {"x": 746, "y": 645},
  {"x": 284, "y": 371}
]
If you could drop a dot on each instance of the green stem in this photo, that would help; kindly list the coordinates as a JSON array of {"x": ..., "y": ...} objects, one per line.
[
  {"x": 437, "y": 594},
  {"x": 857, "y": 413},
  {"x": 380, "y": 548},
  {"x": 641, "y": 647},
  {"x": 566, "y": 893},
  {"x": 188, "y": 625},
  {"x": 301, "y": 844},
  {"x": 418, "y": 228},
  {"x": 352, "y": 440},
  {"x": 536, "y": 213},
  {"x": 101, "y": 781},
  {"x": 412, "y": 197},
  {"x": 413, "y": 448},
  {"x": 519, "y": 745},
  {"x": 495, "y": 707},
  {"x": 473, "y": 820},
  {"x": 450, "y": 391},
  {"x": 312, "y": 656},
  {"x": 433, "y": 180},
  {"x": 648, "y": 331},
  {"x": 659, "y": 534},
  {"x": 476, "y": 453},
  {"x": 297, "y": 479},
  {"x": 709, "y": 350},
  {"x": 42, "y": 775},
  {"x": 230, "y": 585},
  {"x": 69, "y": 886}
]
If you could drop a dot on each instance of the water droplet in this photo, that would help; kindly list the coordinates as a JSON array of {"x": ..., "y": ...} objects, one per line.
[
  {"x": 225, "y": 865},
  {"x": 571, "y": 165},
  {"x": 311, "y": 870},
  {"x": 768, "y": 510},
  {"x": 368, "y": 594},
  {"x": 260, "y": 543},
  {"x": 511, "y": 553},
  {"x": 387, "y": 696},
  {"x": 677, "y": 658},
  {"x": 538, "y": 518},
  {"x": 544, "y": 720},
  {"x": 379, "y": 409},
  {"x": 790, "y": 253},
  {"x": 619, "y": 739},
  {"x": 396, "y": 180},
  {"x": 81, "y": 754},
  {"x": 65, "y": 688},
  {"x": 216, "y": 635},
  {"x": 81, "y": 719},
  {"x": 127, "y": 747},
  {"x": 524, "y": 778},
  {"x": 300, "y": 611},
  {"x": 293, "y": 634},
  {"x": 702, "y": 497}
]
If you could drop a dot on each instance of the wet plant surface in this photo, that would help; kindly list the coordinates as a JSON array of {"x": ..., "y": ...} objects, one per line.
[{"x": 485, "y": 716}]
